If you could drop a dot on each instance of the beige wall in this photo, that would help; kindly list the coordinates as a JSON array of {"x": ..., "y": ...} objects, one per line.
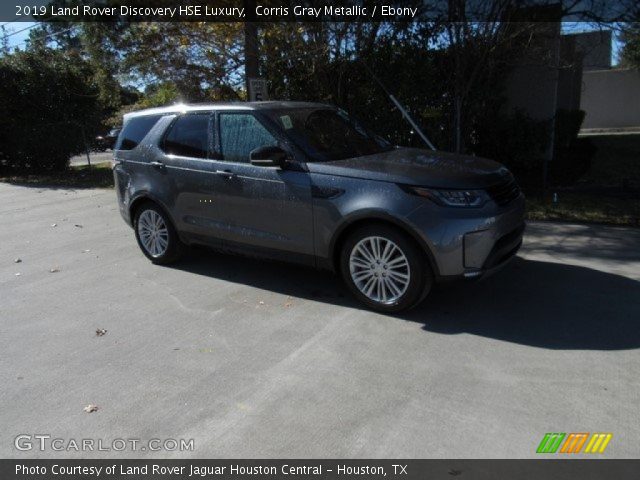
[{"x": 611, "y": 98}]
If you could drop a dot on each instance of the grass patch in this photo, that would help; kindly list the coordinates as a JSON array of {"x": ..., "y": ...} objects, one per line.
[
  {"x": 616, "y": 162},
  {"x": 609, "y": 193},
  {"x": 586, "y": 208},
  {"x": 77, "y": 176}
]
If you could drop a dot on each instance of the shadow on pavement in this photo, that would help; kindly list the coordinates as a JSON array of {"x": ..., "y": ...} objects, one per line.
[{"x": 541, "y": 304}]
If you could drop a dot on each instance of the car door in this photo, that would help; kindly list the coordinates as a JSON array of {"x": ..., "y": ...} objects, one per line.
[
  {"x": 184, "y": 161},
  {"x": 266, "y": 209}
]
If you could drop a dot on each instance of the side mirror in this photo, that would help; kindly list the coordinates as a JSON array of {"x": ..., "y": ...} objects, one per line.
[{"x": 268, "y": 156}]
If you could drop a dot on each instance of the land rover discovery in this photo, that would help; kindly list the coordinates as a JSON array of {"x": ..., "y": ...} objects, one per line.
[{"x": 306, "y": 183}]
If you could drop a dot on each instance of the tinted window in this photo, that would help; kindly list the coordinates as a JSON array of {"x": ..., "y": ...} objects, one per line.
[
  {"x": 327, "y": 134},
  {"x": 239, "y": 134},
  {"x": 134, "y": 131},
  {"x": 188, "y": 136}
]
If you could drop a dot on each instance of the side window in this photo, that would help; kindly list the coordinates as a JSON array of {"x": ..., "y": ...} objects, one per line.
[
  {"x": 239, "y": 134},
  {"x": 188, "y": 136},
  {"x": 134, "y": 131}
]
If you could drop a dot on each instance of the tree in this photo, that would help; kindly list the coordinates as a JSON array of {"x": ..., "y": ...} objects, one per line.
[
  {"x": 4, "y": 41},
  {"x": 50, "y": 107},
  {"x": 631, "y": 45},
  {"x": 341, "y": 63},
  {"x": 87, "y": 41},
  {"x": 203, "y": 60}
]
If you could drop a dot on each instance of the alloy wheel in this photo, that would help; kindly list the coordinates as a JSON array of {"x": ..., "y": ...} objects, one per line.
[
  {"x": 153, "y": 233},
  {"x": 379, "y": 269}
]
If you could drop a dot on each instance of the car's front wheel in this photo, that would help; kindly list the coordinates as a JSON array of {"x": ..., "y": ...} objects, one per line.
[
  {"x": 384, "y": 268},
  {"x": 155, "y": 234}
]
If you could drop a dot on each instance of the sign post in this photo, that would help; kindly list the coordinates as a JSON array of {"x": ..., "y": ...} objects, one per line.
[{"x": 258, "y": 90}]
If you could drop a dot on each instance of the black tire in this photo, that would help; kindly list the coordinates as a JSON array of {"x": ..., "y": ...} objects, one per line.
[
  {"x": 419, "y": 272},
  {"x": 174, "y": 248}
]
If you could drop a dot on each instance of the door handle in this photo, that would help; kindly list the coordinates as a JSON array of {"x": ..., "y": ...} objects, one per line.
[
  {"x": 228, "y": 174},
  {"x": 158, "y": 165}
]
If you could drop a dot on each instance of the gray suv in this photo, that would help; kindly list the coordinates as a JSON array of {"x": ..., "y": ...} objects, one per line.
[{"x": 306, "y": 183}]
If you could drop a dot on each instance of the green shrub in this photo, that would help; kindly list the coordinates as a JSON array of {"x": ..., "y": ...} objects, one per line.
[
  {"x": 572, "y": 155},
  {"x": 48, "y": 102},
  {"x": 515, "y": 140}
]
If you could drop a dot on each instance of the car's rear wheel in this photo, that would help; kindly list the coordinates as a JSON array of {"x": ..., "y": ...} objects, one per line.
[
  {"x": 156, "y": 235},
  {"x": 384, "y": 268}
]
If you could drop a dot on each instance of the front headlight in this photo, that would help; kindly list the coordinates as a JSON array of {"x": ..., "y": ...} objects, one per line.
[{"x": 450, "y": 198}]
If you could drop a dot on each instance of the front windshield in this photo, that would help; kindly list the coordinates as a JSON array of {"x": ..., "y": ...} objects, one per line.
[{"x": 327, "y": 134}]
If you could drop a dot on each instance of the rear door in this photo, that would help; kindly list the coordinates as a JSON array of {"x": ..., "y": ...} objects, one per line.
[{"x": 190, "y": 173}]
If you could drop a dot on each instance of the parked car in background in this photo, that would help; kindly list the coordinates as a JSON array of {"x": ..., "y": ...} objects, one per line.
[
  {"x": 306, "y": 183},
  {"x": 108, "y": 141}
]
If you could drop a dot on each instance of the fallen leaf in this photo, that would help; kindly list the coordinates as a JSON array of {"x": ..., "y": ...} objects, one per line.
[
  {"x": 90, "y": 408},
  {"x": 17, "y": 260},
  {"x": 261, "y": 302},
  {"x": 100, "y": 332},
  {"x": 54, "y": 224},
  {"x": 78, "y": 225},
  {"x": 289, "y": 302},
  {"x": 54, "y": 270},
  {"x": 18, "y": 274}
]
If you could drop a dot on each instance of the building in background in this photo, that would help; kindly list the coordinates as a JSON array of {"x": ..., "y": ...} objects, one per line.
[
  {"x": 609, "y": 96},
  {"x": 575, "y": 72}
]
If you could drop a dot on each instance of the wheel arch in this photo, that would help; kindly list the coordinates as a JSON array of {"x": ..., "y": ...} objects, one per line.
[
  {"x": 143, "y": 198},
  {"x": 347, "y": 227}
]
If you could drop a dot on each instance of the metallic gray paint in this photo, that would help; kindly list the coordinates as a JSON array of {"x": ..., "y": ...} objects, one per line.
[
  {"x": 273, "y": 212},
  {"x": 413, "y": 166}
]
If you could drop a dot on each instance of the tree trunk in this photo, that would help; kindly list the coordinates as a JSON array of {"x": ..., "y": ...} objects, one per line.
[
  {"x": 457, "y": 123},
  {"x": 457, "y": 10}
]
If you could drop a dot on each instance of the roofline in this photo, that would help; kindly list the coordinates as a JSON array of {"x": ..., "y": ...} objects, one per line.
[
  {"x": 229, "y": 106},
  {"x": 181, "y": 108}
]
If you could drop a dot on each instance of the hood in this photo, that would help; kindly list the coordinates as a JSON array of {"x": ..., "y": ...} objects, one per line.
[{"x": 414, "y": 166}]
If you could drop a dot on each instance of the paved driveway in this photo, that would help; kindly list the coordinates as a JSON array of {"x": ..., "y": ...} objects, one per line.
[{"x": 260, "y": 359}]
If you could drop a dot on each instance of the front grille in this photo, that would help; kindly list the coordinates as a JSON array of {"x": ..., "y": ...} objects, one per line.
[{"x": 505, "y": 192}]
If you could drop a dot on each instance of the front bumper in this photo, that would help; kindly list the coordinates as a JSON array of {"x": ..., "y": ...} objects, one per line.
[
  {"x": 471, "y": 243},
  {"x": 477, "y": 263}
]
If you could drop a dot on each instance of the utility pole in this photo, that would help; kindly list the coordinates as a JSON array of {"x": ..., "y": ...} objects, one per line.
[{"x": 250, "y": 45}]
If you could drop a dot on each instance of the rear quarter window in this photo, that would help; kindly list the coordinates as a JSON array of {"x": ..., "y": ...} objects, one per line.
[
  {"x": 134, "y": 131},
  {"x": 188, "y": 136}
]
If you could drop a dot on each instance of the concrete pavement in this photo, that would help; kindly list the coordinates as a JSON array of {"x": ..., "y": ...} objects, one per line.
[{"x": 260, "y": 359}]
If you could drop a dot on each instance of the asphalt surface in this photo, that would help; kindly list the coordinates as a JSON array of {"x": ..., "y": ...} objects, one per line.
[{"x": 260, "y": 359}]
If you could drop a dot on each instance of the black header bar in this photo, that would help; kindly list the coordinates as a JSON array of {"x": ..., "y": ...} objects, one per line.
[{"x": 315, "y": 11}]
